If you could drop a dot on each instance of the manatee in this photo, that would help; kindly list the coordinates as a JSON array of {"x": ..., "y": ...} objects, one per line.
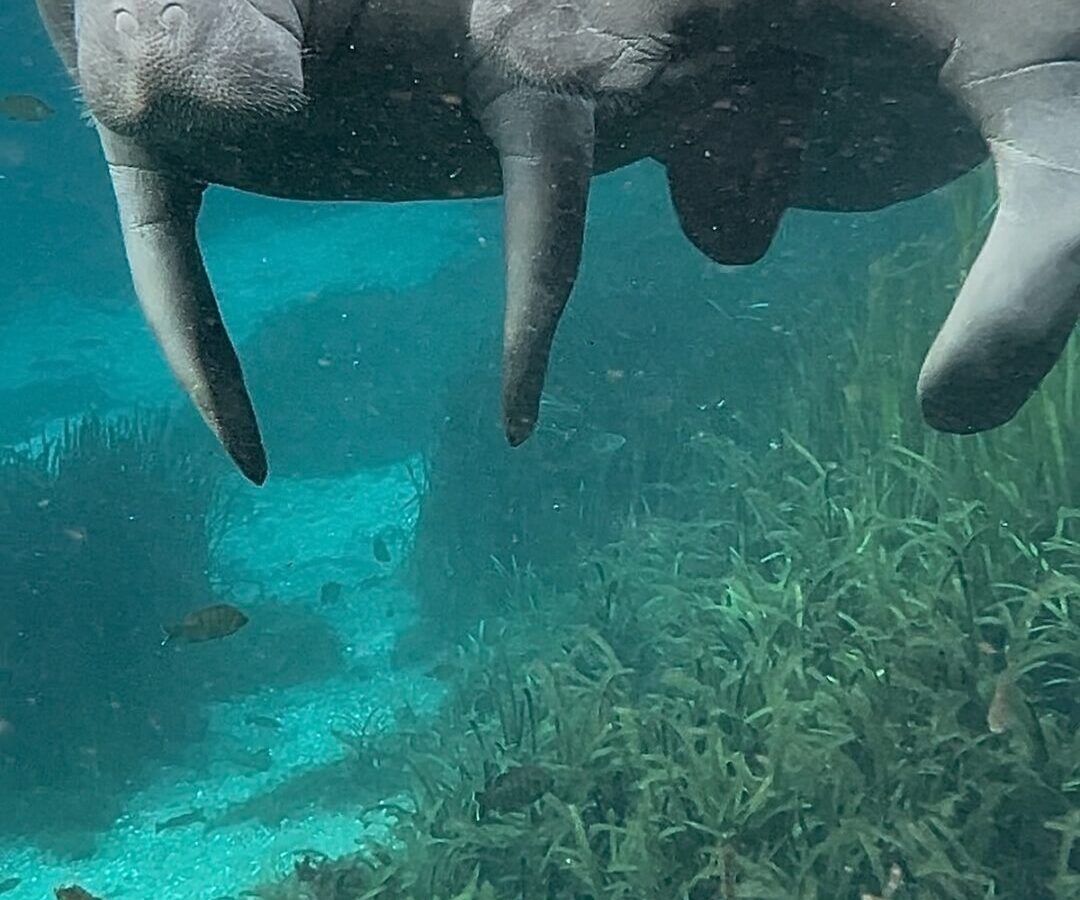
[{"x": 754, "y": 107}]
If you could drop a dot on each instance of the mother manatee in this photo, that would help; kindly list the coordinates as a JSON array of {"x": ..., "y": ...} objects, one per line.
[{"x": 753, "y": 106}]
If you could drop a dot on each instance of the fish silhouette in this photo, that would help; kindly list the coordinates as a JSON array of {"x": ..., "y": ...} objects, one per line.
[
  {"x": 379, "y": 549},
  {"x": 179, "y": 821},
  {"x": 24, "y": 108},
  {"x": 514, "y": 789},
  {"x": 330, "y": 593},
  {"x": 74, "y": 892},
  {"x": 206, "y": 624},
  {"x": 1011, "y": 711}
]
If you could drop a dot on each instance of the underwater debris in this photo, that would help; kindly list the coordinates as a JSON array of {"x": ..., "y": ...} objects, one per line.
[
  {"x": 9, "y": 884},
  {"x": 24, "y": 108},
  {"x": 895, "y": 882},
  {"x": 513, "y": 790},
  {"x": 324, "y": 878},
  {"x": 193, "y": 817},
  {"x": 330, "y": 593},
  {"x": 74, "y": 892},
  {"x": 76, "y": 534},
  {"x": 206, "y": 624},
  {"x": 306, "y": 867}
]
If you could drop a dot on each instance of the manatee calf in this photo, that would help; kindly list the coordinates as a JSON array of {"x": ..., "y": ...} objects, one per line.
[{"x": 753, "y": 107}]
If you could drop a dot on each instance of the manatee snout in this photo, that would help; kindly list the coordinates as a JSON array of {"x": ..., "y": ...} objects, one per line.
[{"x": 159, "y": 65}]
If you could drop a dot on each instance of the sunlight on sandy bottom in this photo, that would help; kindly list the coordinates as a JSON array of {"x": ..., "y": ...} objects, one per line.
[{"x": 284, "y": 542}]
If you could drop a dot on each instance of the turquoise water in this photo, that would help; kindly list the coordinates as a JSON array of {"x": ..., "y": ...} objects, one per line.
[{"x": 368, "y": 332}]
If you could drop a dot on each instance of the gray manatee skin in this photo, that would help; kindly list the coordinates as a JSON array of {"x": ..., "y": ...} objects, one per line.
[{"x": 754, "y": 107}]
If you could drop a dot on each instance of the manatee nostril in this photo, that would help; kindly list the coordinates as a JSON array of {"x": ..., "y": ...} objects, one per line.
[
  {"x": 173, "y": 15},
  {"x": 125, "y": 22}
]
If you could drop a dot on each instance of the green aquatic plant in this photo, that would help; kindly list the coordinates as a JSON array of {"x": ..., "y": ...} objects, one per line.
[
  {"x": 777, "y": 681},
  {"x": 774, "y": 724},
  {"x": 105, "y": 537}
]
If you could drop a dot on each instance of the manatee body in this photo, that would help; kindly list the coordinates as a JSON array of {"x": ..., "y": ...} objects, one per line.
[{"x": 753, "y": 107}]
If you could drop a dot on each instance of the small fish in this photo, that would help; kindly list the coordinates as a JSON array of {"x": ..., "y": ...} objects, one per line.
[
  {"x": 514, "y": 789},
  {"x": 24, "y": 108},
  {"x": 443, "y": 671},
  {"x": 330, "y": 593},
  {"x": 74, "y": 892},
  {"x": 1008, "y": 708},
  {"x": 254, "y": 760},
  {"x": 604, "y": 443},
  {"x": 9, "y": 884},
  {"x": 75, "y": 534},
  {"x": 206, "y": 624},
  {"x": 1010, "y": 711},
  {"x": 379, "y": 549},
  {"x": 189, "y": 818},
  {"x": 262, "y": 721}
]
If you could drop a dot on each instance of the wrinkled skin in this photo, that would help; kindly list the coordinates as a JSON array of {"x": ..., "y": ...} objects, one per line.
[{"x": 753, "y": 107}]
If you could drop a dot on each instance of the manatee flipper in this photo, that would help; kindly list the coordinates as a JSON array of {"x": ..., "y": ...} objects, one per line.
[
  {"x": 736, "y": 163},
  {"x": 545, "y": 143},
  {"x": 158, "y": 212},
  {"x": 1021, "y": 299}
]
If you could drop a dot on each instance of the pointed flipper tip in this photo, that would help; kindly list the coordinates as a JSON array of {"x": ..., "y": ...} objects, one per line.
[
  {"x": 251, "y": 461},
  {"x": 518, "y": 429}
]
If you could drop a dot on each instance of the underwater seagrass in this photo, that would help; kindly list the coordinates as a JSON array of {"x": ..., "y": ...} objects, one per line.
[
  {"x": 84, "y": 695},
  {"x": 792, "y": 719},
  {"x": 775, "y": 683},
  {"x": 824, "y": 104}
]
